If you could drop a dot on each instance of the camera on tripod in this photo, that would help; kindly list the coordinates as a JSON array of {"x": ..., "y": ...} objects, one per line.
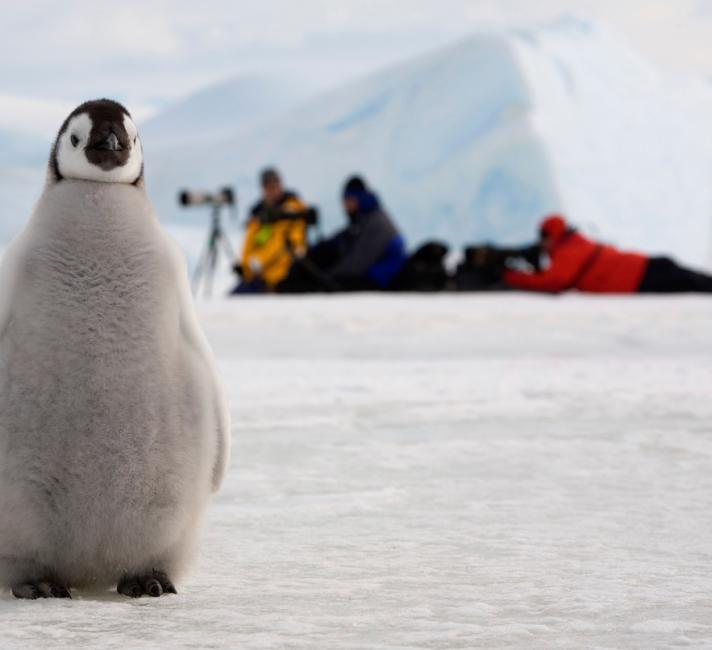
[
  {"x": 224, "y": 196},
  {"x": 217, "y": 239}
]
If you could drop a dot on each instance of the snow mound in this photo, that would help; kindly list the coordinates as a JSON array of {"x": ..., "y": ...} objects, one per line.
[
  {"x": 444, "y": 139},
  {"x": 222, "y": 109},
  {"x": 480, "y": 140},
  {"x": 631, "y": 151},
  {"x": 474, "y": 142}
]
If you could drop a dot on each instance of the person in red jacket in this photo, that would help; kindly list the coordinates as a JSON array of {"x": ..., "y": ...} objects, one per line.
[{"x": 576, "y": 262}]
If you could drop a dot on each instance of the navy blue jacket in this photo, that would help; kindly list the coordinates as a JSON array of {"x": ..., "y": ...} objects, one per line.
[{"x": 370, "y": 246}]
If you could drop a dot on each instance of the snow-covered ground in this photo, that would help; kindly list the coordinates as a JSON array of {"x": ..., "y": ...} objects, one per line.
[{"x": 440, "y": 472}]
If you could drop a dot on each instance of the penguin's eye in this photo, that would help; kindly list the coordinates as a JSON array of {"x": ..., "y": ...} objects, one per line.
[
  {"x": 135, "y": 138},
  {"x": 74, "y": 140}
]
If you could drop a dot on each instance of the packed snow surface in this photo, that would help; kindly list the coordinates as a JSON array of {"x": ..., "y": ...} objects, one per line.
[{"x": 466, "y": 471}]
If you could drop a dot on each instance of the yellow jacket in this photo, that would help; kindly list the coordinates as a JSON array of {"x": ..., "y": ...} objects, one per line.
[{"x": 266, "y": 249}]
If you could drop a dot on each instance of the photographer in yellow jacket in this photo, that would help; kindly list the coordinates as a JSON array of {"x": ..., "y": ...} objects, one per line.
[{"x": 276, "y": 233}]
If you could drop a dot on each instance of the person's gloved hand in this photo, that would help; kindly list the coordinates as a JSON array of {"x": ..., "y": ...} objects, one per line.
[{"x": 255, "y": 266}]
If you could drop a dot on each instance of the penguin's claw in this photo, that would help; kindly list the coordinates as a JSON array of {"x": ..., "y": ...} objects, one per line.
[
  {"x": 42, "y": 589},
  {"x": 60, "y": 591},
  {"x": 165, "y": 582},
  {"x": 130, "y": 587},
  {"x": 152, "y": 587},
  {"x": 154, "y": 584},
  {"x": 27, "y": 590}
]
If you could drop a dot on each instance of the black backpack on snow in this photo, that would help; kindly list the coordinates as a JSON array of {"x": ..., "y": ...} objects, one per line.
[{"x": 424, "y": 270}]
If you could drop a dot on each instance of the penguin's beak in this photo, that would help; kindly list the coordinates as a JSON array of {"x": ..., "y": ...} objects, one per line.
[
  {"x": 108, "y": 147},
  {"x": 111, "y": 143}
]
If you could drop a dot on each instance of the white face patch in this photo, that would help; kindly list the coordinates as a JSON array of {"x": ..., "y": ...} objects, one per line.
[{"x": 72, "y": 161}]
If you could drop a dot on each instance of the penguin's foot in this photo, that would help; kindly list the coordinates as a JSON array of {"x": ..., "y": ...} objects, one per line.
[
  {"x": 43, "y": 589},
  {"x": 154, "y": 584}
]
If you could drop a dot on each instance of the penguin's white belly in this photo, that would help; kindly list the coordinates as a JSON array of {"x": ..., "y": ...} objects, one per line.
[
  {"x": 124, "y": 467},
  {"x": 103, "y": 407}
]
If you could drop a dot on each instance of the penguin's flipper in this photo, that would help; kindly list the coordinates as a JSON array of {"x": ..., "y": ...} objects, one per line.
[
  {"x": 222, "y": 419},
  {"x": 195, "y": 339}
]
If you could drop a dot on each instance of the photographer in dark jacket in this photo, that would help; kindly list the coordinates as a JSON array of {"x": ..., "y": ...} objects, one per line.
[{"x": 369, "y": 252}]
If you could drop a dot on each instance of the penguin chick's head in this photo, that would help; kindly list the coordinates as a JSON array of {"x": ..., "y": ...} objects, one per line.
[{"x": 98, "y": 142}]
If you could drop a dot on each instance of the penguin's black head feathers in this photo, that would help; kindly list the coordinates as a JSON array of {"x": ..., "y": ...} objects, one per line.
[{"x": 98, "y": 142}]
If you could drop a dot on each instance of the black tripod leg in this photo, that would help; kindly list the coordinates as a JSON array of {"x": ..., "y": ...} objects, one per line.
[
  {"x": 227, "y": 248},
  {"x": 210, "y": 276},
  {"x": 203, "y": 270},
  {"x": 207, "y": 262}
]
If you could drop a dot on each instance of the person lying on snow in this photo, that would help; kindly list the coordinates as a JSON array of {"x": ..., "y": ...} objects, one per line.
[
  {"x": 276, "y": 232},
  {"x": 576, "y": 262}
]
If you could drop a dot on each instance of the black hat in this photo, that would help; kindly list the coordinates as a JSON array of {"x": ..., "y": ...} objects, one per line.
[
  {"x": 268, "y": 175},
  {"x": 354, "y": 185}
]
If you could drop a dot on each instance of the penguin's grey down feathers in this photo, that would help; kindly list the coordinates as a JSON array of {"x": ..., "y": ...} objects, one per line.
[{"x": 113, "y": 423}]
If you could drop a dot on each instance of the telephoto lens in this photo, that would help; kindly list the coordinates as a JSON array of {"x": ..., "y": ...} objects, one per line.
[{"x": 224, "y": 196}]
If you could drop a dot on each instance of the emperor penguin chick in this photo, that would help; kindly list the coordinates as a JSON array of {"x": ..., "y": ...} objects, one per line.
[{"x": 113, "y": 424}]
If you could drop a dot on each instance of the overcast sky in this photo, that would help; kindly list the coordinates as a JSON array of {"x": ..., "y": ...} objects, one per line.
[{"x": 54, "y": 54}]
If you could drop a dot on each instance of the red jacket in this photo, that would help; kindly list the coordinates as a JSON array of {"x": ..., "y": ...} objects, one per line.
[{"x": 579, "y": 263}]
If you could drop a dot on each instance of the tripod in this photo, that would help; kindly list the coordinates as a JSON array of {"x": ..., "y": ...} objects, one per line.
[{"x": 205, "y": 268}]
